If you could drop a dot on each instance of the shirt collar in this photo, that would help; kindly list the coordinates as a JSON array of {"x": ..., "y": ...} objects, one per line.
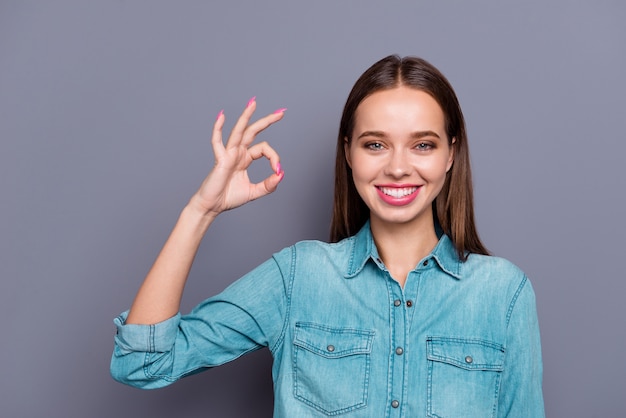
[{"x": 364, "y": 249}]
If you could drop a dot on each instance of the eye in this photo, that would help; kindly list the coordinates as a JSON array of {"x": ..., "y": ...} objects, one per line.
[
  {"x": 424, "y": 146},
  {"x": 374, "y": 146}
]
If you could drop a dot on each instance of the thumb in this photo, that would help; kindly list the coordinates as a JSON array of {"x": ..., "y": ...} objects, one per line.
[{"x": 268, "y": 185}]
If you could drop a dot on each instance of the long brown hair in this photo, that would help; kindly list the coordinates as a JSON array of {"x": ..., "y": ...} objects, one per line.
[{"x": 453, "y": 208}]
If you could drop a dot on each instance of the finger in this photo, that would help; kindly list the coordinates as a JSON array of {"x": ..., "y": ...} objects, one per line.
[
  {"x": 239, "y": 128},
  {"x": 263, "y": 149},
  {"x": 216, "y": 138},
  {"x": 260, "y": 125},
  {"x": 267, "y": 186}
]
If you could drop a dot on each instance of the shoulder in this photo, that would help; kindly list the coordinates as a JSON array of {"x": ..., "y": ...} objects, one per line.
[
  {"x": 315, "y": 247},
  {"x": 310, "y": 248},
  {"x": 492, "y": 265},
  {"x": 500, "y": 282},
  {"x": 316, "y": 254},
  {"x": 495, "y": 272}
]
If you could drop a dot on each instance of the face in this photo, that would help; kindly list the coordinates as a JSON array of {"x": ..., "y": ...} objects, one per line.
[{"x": 399, "y": 155}]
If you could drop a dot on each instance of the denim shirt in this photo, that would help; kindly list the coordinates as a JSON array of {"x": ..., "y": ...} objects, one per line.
[{"x": 461, "y": 339}]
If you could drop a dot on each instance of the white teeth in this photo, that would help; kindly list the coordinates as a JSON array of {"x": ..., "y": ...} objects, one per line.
[{"x": 397, "y": 192}]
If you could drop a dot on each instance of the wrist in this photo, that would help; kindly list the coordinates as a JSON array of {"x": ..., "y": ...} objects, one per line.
[{"x": 197, "y": 213}]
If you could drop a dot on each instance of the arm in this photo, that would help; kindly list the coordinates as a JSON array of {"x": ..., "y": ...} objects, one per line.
[
  {"x": 226, "y": 187},
  {"x": 248, "y": 315},
  {"x": 521, "y": 391}
]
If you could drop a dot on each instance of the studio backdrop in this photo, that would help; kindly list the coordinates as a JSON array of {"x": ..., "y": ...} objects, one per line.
[{"x": 106, "y": 109}]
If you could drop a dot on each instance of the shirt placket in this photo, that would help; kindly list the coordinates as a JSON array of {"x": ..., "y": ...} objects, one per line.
[
  {"x": 398, "y": 339},
  {"x": 403, "y": 302}
]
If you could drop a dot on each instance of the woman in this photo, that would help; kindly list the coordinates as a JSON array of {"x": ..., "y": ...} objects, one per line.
[{"x": 403, "y": 315}]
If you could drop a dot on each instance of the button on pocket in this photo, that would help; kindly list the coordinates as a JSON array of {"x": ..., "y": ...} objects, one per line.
[
  {"x": 331, "y": 367},
  {"x": 463, "y": 375}
]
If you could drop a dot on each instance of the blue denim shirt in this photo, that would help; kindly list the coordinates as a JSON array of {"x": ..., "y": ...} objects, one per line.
[{"x": 461, "y": 339}]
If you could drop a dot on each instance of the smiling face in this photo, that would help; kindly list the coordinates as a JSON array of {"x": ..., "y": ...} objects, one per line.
[{"x": 399, "y": 155}]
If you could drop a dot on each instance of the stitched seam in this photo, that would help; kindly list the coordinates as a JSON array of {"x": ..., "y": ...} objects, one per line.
[
  {"x": 512, "y": 305},
  {"x": 150, "y": 338},
  {"x": 281, "y": 337},
  {"x": 494, "y": 411},
  {"x": 350, "y": 268}
]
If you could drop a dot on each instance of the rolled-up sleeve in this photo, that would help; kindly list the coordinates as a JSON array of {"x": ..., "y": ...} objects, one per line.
[
  {"x": 248, "y": 315},
  {"x": 157, "y": 338}
]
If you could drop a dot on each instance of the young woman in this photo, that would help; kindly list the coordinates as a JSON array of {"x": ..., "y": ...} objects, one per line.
[{"x": 403, "y": 315}]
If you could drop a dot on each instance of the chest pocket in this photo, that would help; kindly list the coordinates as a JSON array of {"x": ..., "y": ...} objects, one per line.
[
  {"x": 463, "y": 376},
  {"x": 331, "y": 367}
]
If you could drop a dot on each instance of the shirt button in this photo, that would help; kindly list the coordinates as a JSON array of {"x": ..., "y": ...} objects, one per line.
[
  {"x": 409, "y": 303},
  {"x": 395, "y": 403},
  {"x": 425, "y": 263},
  {"x": 469, "y": 360},
  {"x": 399, "y": 351},
  {"x": 379, "y": 260},
  {"x": 331, "y": 348},
  {"x": 397, "y": 302}
]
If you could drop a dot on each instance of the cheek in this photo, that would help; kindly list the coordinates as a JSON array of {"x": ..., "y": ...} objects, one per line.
[
  {"x": 434, "y": 170},
  {"x": 361, "y": 167}
]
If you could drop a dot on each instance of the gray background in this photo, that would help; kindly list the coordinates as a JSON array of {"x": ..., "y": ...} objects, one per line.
[{"x": 105, "y": 113}]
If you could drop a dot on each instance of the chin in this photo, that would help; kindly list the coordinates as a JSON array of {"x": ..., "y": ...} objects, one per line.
[{"x": 400, "y": 219}]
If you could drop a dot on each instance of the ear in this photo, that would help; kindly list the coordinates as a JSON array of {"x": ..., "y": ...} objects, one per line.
[
  {"x": 451, "y": 156},
  {"x": 346, "y": 151}
]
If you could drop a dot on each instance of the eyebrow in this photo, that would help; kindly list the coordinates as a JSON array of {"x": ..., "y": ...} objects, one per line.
[{"x": 414, "y": 135}]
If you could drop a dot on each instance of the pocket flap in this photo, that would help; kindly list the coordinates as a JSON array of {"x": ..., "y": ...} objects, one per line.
[
  {"x": 466, "y": 353},
  {"x": 332, "y": 342}
]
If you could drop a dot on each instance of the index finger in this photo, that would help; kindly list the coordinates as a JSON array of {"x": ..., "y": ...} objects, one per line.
[
  {"x": 260, "y": 125},
  {"x": 236, "y": 134}
]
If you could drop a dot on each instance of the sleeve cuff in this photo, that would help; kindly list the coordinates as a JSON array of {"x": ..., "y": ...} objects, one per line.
[{"x": 155, "y": 338}]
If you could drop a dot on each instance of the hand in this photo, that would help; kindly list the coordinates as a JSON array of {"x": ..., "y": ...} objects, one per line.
[{"x": 228, "y": 186}]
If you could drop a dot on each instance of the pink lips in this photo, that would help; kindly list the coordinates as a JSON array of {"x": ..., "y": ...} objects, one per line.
[{"x": 396, "y": 195}]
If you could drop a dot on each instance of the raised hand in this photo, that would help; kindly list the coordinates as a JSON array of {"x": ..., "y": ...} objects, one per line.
[{"x": 228, "y": 184}]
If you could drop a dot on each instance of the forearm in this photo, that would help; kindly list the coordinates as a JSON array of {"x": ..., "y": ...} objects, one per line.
[
  {"x": 226, "y": 187},
  {"x": 159, "y": 296}
]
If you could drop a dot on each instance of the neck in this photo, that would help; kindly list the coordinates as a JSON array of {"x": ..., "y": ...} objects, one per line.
[{"x": 402, "y": 246}]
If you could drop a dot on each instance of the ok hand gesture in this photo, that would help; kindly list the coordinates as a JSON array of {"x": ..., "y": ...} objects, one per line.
[{"x": 228, "y": 186}]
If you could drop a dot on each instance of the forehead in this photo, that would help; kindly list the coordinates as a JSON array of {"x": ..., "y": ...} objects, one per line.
[{"x": 399, "y": 109}]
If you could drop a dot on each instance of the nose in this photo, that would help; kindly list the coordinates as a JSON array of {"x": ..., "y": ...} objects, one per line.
[{"x": 398, "y": 165}]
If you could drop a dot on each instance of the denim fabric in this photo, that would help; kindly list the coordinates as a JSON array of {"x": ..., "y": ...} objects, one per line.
[{"x": 461, "y": 339}]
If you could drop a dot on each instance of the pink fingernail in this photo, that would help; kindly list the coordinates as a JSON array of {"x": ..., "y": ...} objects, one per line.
[
  {"x": 278, "y": 169},
  {"x": 281, "y": 110},
  {"x": 251, "y": 101},
  {"x": 219, "y": 115}
]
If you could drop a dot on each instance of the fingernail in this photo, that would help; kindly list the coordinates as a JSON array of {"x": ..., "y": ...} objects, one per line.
[
  {"x": 278, "y": 169},
  {"x": 281, "y": 110},
  {"x": 251, "y": 101},
  {"x": 219, "y": 115}
]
